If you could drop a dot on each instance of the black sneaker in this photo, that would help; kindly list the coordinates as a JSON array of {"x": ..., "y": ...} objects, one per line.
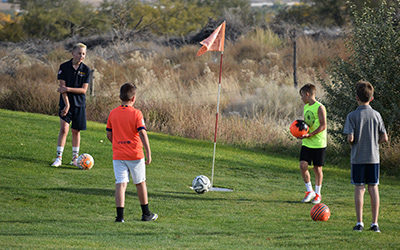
[
  {"x": 375, "y": 228},
  {"x": 358, "y": 228},
  {"x": 119, "y": 220},
  {"x": 151, "y": 217}
]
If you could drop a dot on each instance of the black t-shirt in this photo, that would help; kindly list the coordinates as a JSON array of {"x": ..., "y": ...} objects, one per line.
[{"x": 74, "y": 79}]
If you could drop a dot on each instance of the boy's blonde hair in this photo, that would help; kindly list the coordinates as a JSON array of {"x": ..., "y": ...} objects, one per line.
[
  {"x": 364, "y": 90},
  {"x": 308, "y": 88},
  {"x": 78, "y": 45},
  {"x": 127, "y": 91}
]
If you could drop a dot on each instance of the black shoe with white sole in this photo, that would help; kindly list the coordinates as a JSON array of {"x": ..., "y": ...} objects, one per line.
[
  {"x": 358, "y": 228},
  {"x": 150, "y": 217},
  {"x": 375, "y": 228}
]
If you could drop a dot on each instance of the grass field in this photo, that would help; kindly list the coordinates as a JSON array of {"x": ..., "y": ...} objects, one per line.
[{"x": 43, "y": 207}]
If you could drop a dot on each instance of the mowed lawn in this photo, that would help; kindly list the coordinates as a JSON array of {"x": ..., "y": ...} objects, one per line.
[{"x": 43, "y": 207}]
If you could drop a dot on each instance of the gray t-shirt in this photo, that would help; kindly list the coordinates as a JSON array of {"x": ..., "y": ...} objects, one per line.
[{"x": 366, "y": 125}]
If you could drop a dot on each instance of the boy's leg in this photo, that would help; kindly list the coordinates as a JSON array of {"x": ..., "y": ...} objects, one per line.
[
  {"x": 374, "y": 194},
  {"x": 359, "y": 191},
  {"x": 76, "y": 137},
  {"x": 318, "y": 183},
  {"x": 304, "y": 171},
  {"x": 120, "y": 189},
  {"x": 144, "y": 203},
  {"x": 142, "y": 193},
  {"x": 310, "y": 194},
  {"x": 76, "y": 140},
  {"x": 318, "y": 175},
  {"x": 62, "y": 137}
]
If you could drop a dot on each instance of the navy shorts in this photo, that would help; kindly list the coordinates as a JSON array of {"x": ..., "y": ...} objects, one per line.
[
  {"x": 76, "y": 115},
  {"x": 365, "y": 174},
  {"x": 313, "y": 155}
]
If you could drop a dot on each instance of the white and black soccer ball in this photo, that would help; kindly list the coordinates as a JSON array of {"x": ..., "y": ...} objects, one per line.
[{"x": 201, "y": 184}]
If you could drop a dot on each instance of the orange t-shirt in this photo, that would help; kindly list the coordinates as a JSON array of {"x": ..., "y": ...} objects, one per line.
[{"x": 125, "y": 122}]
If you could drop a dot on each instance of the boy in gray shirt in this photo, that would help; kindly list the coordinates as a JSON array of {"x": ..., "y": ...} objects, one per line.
[{"x": 365, "y": 131}]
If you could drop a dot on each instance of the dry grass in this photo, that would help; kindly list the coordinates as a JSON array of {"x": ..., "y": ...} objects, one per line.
[{"x": 177, "y": 91}]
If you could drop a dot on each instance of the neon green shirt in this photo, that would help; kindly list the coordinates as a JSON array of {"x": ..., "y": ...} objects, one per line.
[{"x": 312, "y": 120}]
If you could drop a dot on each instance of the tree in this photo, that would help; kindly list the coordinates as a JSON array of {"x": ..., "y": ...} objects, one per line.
[
  {"x": 374, "y": 45},
  {"x": 57, "y": 19},
  {"x": 324, "y": 12}
]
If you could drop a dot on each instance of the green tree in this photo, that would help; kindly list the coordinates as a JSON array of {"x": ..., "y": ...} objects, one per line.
[
  {"x": 163, "y": 17},
  {"x": 324, "y": 12},
  {"x": 374, "y": 45},
  {"x": 180, "y": 17},
  {"x": 57, "y": 19}
]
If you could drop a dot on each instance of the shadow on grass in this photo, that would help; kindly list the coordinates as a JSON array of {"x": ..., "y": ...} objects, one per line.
[
  {"x": 18, "y": 157},
  {"x": 166, "y": 195},
  {"x": 86, "y": 191},
  {"x": 78, "y": 233},
  {"x": 39, "y": 162},
  {"x": 203, "y": 197}
]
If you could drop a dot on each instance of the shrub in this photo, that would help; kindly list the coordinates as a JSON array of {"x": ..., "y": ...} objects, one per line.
[{"x": 374, "y": 45}]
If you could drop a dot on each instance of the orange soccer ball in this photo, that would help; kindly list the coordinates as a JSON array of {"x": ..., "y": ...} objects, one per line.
[
  {"x": 320, "y": 212},
  {"x": 299, "y": 128},
  {"x": 85, "y": 161}
]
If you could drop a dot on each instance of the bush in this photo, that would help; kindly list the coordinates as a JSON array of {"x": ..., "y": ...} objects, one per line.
[{"x": 374, "y": 46}]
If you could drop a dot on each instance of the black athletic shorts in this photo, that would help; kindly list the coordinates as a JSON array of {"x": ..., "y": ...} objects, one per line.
[
  {"x": 314, "y": 155},
  {"x": 365, "y": 174},
  {"x": 76, "y": 115}
]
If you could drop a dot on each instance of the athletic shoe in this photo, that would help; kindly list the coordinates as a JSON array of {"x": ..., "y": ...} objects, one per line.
[
  {"x": 57, "y": 162},
  {"x": 151, "y": 217},
  {"x": 375, "y": 228},
  {"x": 119, "y": 220},
  {"x": 358, "y": 228},
  {"x": 317, "y": 199},
  {"x": 309, "y": 196},
  {"x": 74, "y": 162}
]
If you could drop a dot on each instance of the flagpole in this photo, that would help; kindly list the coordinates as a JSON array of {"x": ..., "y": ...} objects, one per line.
[{"x": 216, "y": 118}]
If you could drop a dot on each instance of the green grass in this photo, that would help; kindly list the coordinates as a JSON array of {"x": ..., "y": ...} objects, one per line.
[{"x": 43, "y": 207}]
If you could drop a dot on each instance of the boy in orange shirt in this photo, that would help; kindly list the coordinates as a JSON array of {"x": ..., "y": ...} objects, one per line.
[{"x": 127, "y": 132}]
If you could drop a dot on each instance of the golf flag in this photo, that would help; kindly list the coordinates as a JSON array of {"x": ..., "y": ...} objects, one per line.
[{"x": 215, "y": 42}]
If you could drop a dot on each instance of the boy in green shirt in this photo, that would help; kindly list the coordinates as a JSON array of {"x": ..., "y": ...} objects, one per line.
[{"x": 313, "y": 144}]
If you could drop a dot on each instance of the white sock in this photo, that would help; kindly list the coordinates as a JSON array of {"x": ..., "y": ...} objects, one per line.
[
  {"x": 318, "y": 189},
  {"x": 60, "y": 151},
  {"x": 374, "y": 224},
  {"x": 75, "y": 152},
  {"x": 308, "y": 186},
  {"x": 360, "y": 223}
]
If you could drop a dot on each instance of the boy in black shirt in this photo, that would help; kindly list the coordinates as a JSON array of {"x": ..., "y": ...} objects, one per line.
[{"x": 73, "y": 76}]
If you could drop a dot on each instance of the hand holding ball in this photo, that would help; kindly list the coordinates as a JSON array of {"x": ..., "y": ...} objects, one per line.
[{"x": 299, "y": 128}]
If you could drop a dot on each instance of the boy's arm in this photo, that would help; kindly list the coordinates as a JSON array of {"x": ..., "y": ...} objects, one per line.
[
  {"x": 146, "y": 145},
  {"x": 383, "y": 138},
  {"x": 109, "y": 136},
  {"x": 65, "y": 99},
  {"x": 322, "y": 122},
  {"x": 350, "y": 139},
  {"x": 64, "y": 89}
]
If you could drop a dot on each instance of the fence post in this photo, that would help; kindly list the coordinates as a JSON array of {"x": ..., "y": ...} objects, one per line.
[
  {"x": 293, "y": 38},
  {"x": 91, "y": 83}
]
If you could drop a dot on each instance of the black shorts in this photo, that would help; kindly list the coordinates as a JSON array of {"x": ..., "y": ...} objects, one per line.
[
  {"x": 76, "y": 115},
  {"x": 365, "y": 174},
  {"x": 314, "y": 155}
]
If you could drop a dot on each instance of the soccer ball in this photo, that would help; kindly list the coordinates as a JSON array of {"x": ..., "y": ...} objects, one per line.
[
  {"x": 201, "y": 184},
  {"x": 299, "y": 128},
  {"x": 320, "y": 212},
  {"x": 85, "y": 161}
]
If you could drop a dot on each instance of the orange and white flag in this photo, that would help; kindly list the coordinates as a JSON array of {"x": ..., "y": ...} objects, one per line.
[{"x": 215, "y": 42}]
